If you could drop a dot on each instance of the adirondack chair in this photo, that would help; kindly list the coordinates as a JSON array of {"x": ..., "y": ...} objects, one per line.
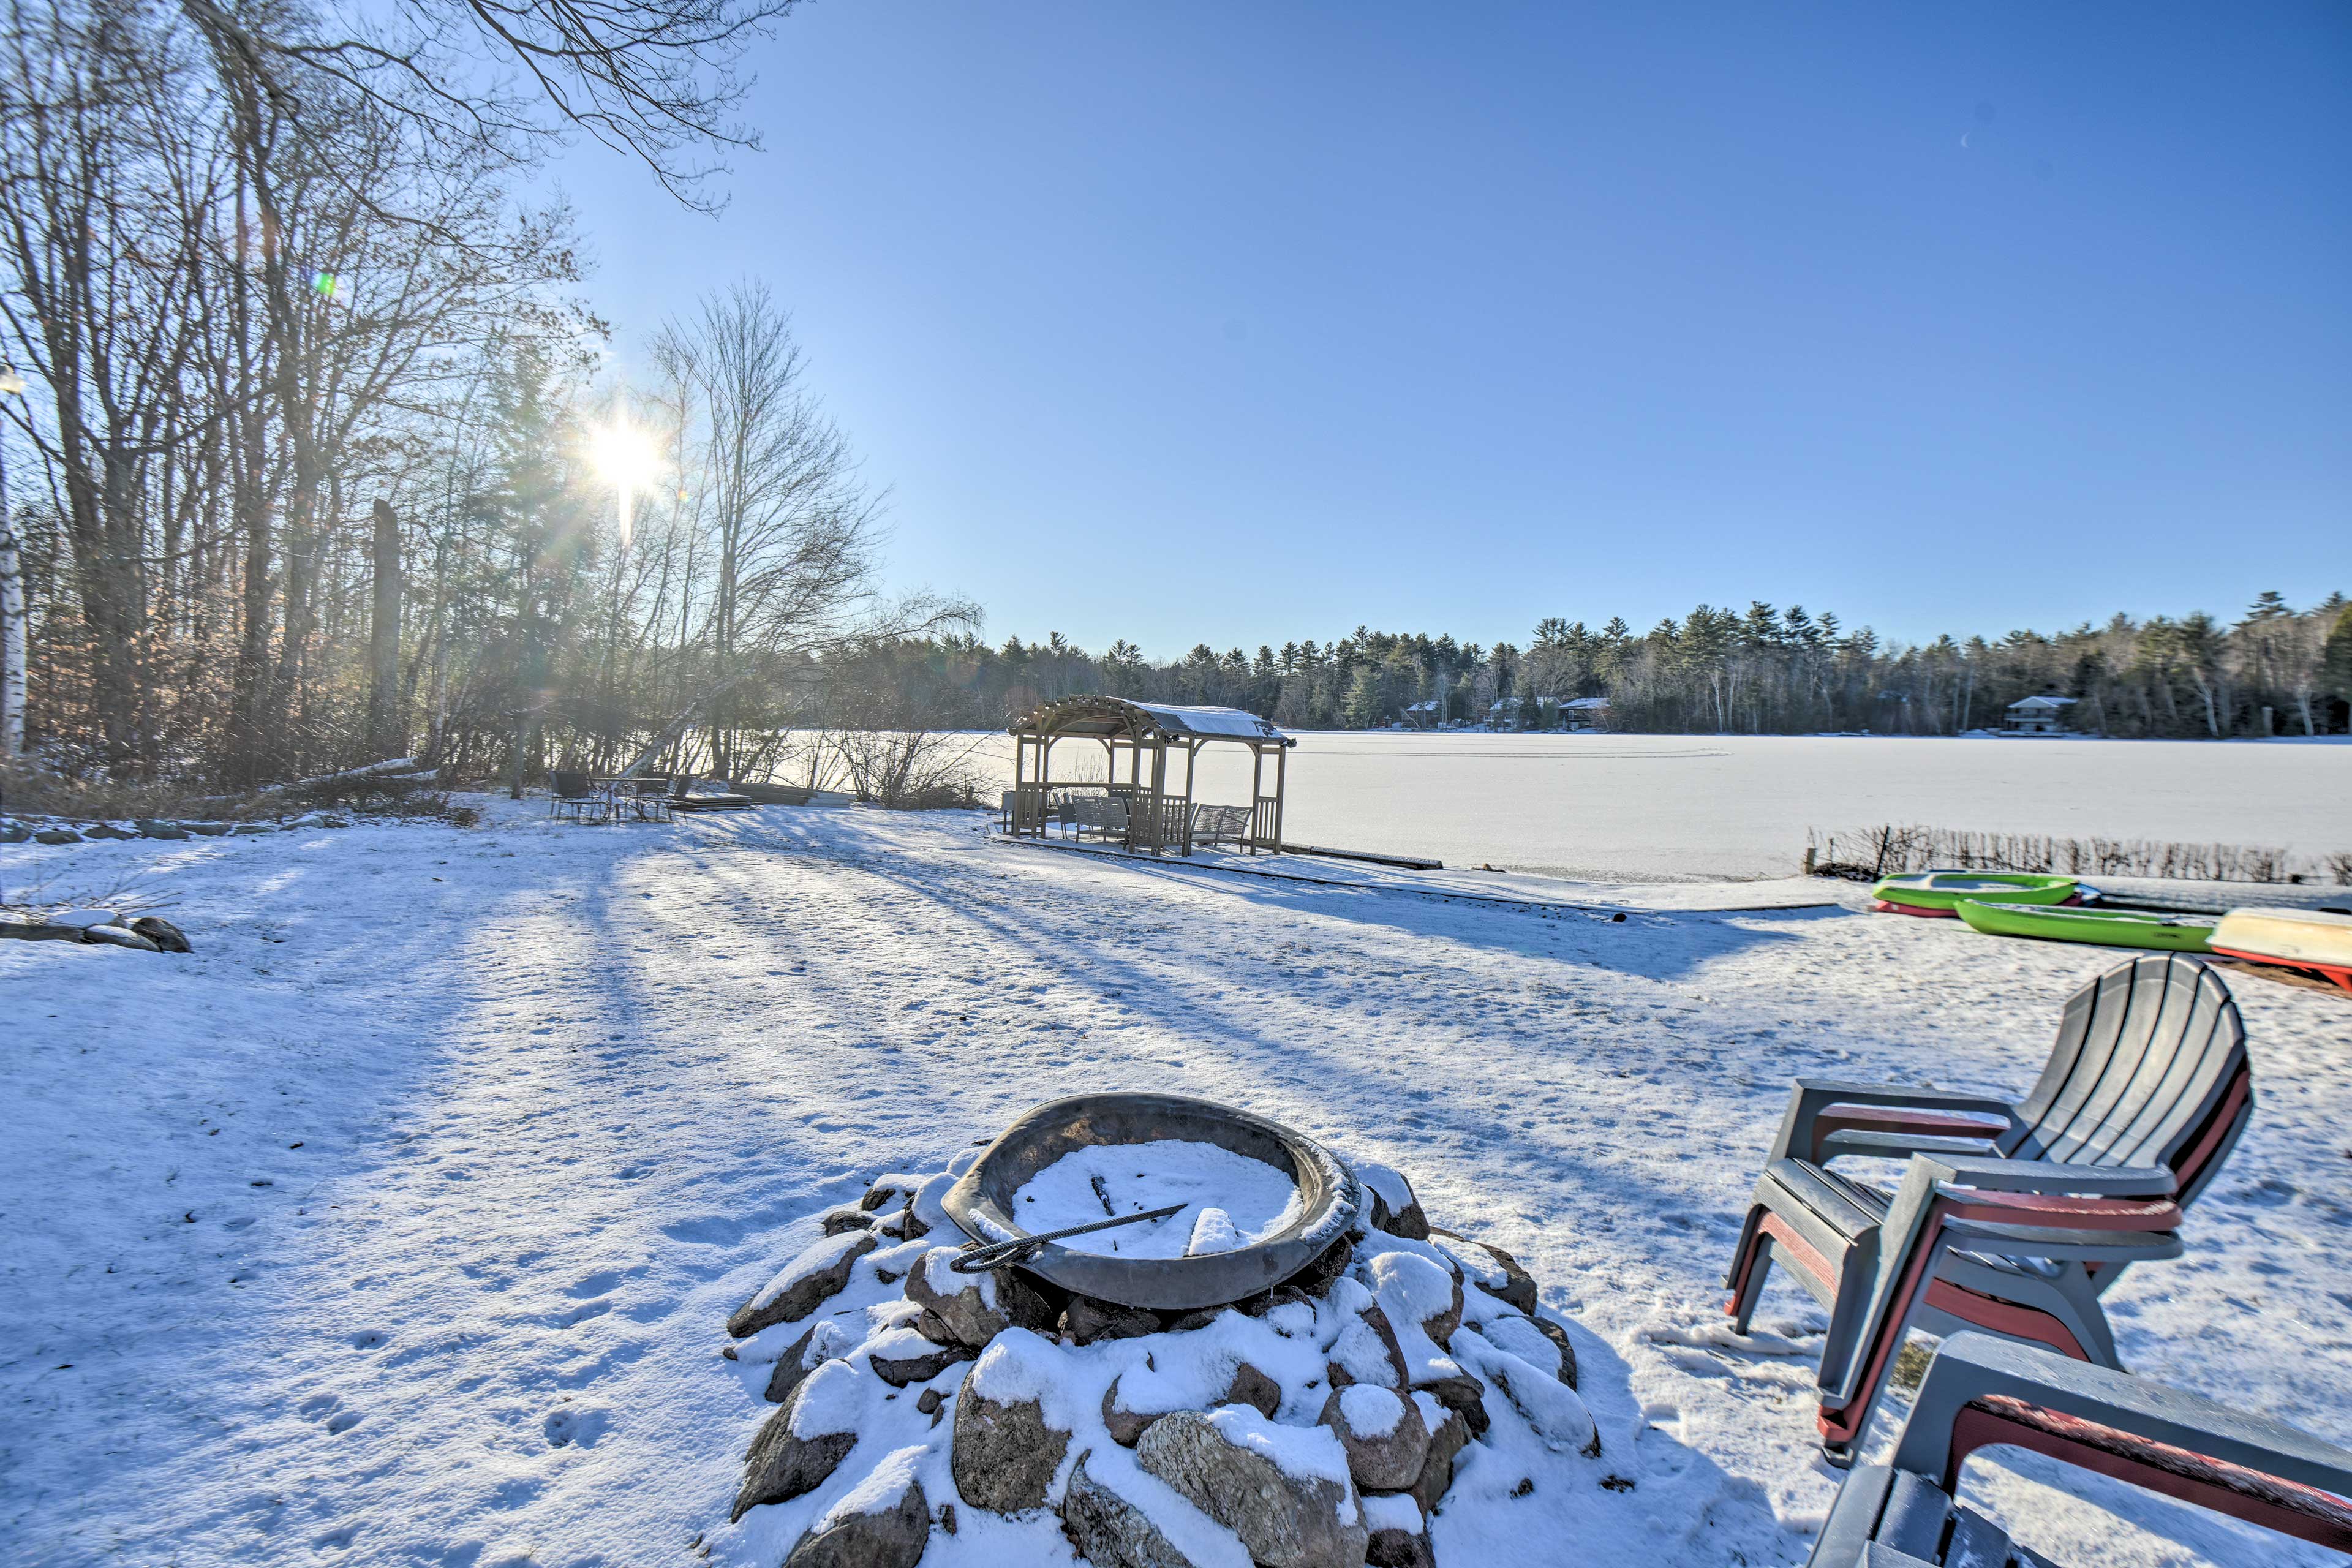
[
  {"x": 1980, "y": 1393},
  {"x": 577, "y": 798},
  {"x": 2009, "y": 1218}
]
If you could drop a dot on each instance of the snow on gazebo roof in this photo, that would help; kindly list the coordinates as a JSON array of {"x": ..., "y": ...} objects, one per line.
[
  {"x": 2043, "y": 701},
  {"x": 1147, "y": 721}
]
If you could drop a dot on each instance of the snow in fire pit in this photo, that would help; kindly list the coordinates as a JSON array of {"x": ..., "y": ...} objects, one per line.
[
  {"x": 1230, "y": 1200},
  {"x": 1403, "y": 1401}
]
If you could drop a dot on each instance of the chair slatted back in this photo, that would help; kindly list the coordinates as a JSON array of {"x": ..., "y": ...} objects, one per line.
[
  {"x": 570, "y": 786},
  {"x": 2149, "y": 1068}
]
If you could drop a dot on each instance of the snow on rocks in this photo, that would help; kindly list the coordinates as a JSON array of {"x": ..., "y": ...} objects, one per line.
[
  {"x": 1008, "y": 1440},
  {"x": 805, "y": 1440},
  {"x": 800, "y": 1285},
  {"x": 1283, "y": 1490},
  {"x": 1326, "y": 1422},
  {"x": 1385, "y": 1436},
  {"x": 884, "y": 1521},
  {"x": 1395, "y": 1208},
  {"x": 1398, "y": 1536},
  {"x": 1137, "y": 1520},
  {"x": 969, "y": 1309}
]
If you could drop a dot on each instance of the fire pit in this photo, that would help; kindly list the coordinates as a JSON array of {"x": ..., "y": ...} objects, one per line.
[
  {"x": 1288, "y": 1364},
  {"x": 1168, "y": 1264}
]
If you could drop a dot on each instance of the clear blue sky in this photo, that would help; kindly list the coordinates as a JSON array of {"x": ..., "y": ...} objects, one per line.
[{"x": 1449, "y": 318}]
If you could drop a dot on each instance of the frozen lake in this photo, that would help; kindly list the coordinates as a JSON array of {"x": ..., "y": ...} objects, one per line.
[{"x": 1632, "y": 807}]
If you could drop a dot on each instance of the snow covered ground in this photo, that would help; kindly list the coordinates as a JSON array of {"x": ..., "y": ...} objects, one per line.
[
  {"x": 1623, "y": 807},
  {"x": 398, "y": 1224}
]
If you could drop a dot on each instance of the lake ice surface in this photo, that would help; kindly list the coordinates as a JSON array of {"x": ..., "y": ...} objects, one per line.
[
  {"x": 1089, "y": 1184},
  {"x": 1674, "y": 807}
]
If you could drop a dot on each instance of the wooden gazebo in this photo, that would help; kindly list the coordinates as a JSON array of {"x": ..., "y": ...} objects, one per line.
[{"x": 1134, "y": 803}]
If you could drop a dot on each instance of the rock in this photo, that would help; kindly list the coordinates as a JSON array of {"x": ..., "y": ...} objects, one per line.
[
  {"x": 333, "y": 821},
  {"x": 1283, "y": 1490},
  {"x": 1395, "y": 1207},
  {"x": 1457, "y": 1391},
  {"x": 1126, "y": 1426},
  {"x": 792, "y": 1455},
  {"x": 1386, "y": 1439},
  {"x": 904, "y": 1356},
  {"x": 1315, "y": 1280},
  {"x": 1543, "y": 1345},
  {"x": 840, "y": 1220},
  {"x": 57, "y": 836},
  {"x": 826, "y": 1340},
  {"x": 1109, "y": 1531},
  {"x": 1086, "y": 1320},
  {"x": 970, "y": 1310},
  {"x": 14, "y": 833},
  {"x": 247, "y": 829},
  {"x": 887, "y": 1188},
  {"x": 1550, "y": 1408},
  {"x": 905, "y": 1225},
  {"x": 1366, "y": 1351},
  {"x": 885, "y": 1522},
  {"x": 207, "y": 830},
  {"x": 1253, "y": 1388},
  {"x": 118, "y": 936},
  {"x": 791, "y": 1367},
  {"x": 1400, "y": 1536},
  {"x": 163, "y": 933},
  {"x": 107, "y": 830},
  {"x": 150, "y": 828},
  {"x": 1517, "y": 1286},
  {"x": 929, "y": 1402},
  {"x": 1416, "y": 1289},
  {"x": 806, "y": 1281},
  {"x": 1003, "y": 1454},
  {"x": 1449, "y": 1433}
]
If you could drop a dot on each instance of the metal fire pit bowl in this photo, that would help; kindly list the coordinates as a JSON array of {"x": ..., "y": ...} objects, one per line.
[{"x": 981, "y": 1202}]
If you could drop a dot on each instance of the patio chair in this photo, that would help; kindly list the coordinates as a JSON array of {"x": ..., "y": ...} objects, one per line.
[
  {"x": 576, "y": 798},
  {"x": 2011, "y": 1218},
  {"x": 1980, "y": 1393},
  {"x": 1215, "y": 825},
  {"x": 1102, "y": 817},
  {"x": 648, "y": 800}
]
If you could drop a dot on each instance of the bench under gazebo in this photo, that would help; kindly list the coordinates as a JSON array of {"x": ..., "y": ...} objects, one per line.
[{"x": 1135, "y": 804}]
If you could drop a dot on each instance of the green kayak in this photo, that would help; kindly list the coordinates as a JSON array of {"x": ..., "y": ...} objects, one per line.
[
  {"x": 2109, "y": 928},
  {"x": 1939, "y": 890}
]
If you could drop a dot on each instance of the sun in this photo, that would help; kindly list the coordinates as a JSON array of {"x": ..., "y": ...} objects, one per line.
[
  {"x": 624, "y": 454},
  {"x": 625, "y": 458}
]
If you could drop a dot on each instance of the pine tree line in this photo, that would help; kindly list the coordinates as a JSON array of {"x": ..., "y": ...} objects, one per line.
[{"x": 2275, "y": 670}]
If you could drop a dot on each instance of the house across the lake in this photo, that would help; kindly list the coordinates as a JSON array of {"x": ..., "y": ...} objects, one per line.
[
  {"x": 1585, "y": 713},
  {"x": 2043, "y": 715}
]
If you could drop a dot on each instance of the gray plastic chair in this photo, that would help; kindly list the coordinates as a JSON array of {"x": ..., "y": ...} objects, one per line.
[
  {"x": 2012, "y": 1219},
  {"x": 1981, "y": 1392}
]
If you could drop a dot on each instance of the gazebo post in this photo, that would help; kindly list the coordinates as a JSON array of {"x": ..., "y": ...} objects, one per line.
[
  {"x": 1257, "y": 780},
  {"x": 1281, "y": 769},
  {"x": 1158, "y": 796}
]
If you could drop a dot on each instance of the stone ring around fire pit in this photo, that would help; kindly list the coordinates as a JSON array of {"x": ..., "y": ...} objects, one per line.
[{"x": 983, "y": 1201}]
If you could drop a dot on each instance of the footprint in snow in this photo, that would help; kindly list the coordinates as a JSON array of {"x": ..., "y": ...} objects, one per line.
[
  {"x": 567, "y": 1427},
  {"x": 579, "y": 1313},
  {"x": 370, "y": 1338}
]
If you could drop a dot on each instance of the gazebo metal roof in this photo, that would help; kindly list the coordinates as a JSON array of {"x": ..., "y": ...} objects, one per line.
[{"x": 1148, "y": 722}]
